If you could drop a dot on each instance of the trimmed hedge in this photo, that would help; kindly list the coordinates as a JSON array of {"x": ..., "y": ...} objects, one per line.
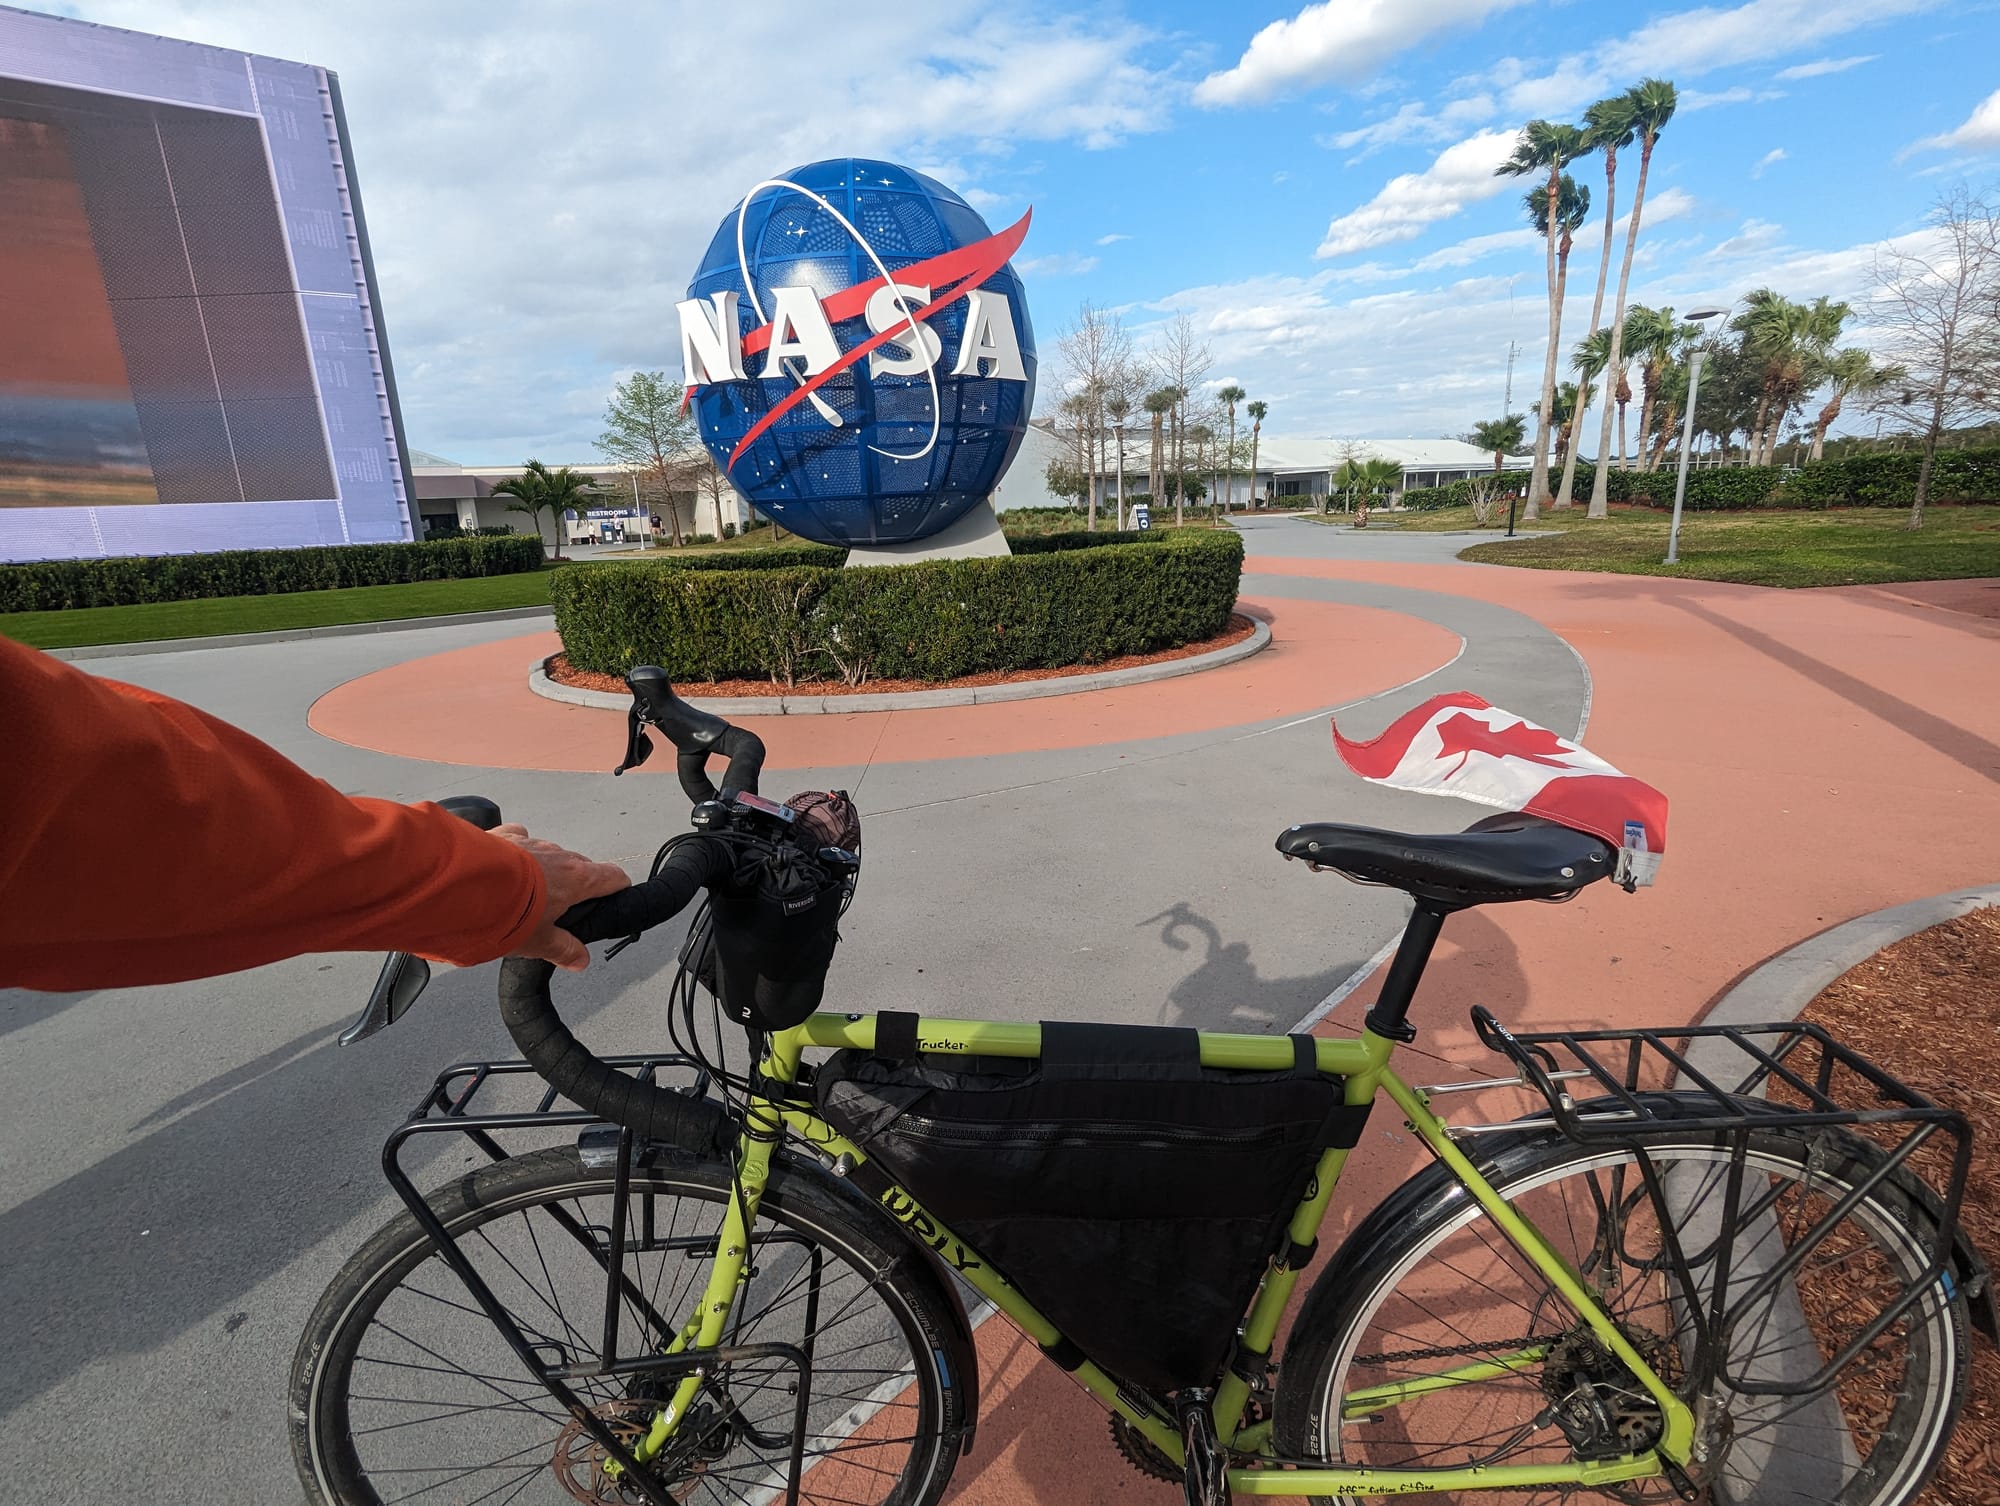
[
  {"x": 57, "y": 585},
  {"x": 1053, "y": 543},
  {"x": 777, "y": 557},
  {"x": 1890, "y": 480},
  {"x": 931, "y": 620}
]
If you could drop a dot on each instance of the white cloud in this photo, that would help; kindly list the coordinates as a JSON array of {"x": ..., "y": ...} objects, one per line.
[
  {"x": 1475, "y": 248},
  {"x": 1692, "y": 42},
  {"x": 1340, "y": 40},
  {"x": 1819, "y": 67},
  {"x": 1770, "y": 159},
  {"x": 1668, "y": 204},
  {"x": 1056, "y": 264},
  {"x": 1979, "y": 133},
  {"x": 1409, "y": 203},
  {"x": 1112, "y": 239},
  {"x": 1414, "y": 123},
  {"x": 1701, "y": 99},
  {"x": 1756, "y": 238}
]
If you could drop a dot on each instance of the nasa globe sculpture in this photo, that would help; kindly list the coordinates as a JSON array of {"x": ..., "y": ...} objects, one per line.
[{"x": 859, "y": 354}]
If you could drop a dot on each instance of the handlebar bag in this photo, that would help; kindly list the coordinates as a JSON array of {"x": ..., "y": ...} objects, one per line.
[{"x": 1133, "y": 1196}]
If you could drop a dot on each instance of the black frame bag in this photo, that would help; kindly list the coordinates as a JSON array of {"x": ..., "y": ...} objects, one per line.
[{"x": 1132, "y": 1195}]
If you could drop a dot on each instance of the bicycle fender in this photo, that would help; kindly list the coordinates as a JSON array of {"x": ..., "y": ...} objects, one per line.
[{"x": 958, "y": 1357}]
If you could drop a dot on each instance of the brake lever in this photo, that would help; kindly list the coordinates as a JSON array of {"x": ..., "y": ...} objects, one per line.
[
  {"x": 638, "y": 746},
  {"x": 404, "y": 975}
]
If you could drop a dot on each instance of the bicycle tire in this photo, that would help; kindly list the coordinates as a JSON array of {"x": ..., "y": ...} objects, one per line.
[
  {"x": 336, "y": 1379},
  {"x": 1364, "y": 1323}
]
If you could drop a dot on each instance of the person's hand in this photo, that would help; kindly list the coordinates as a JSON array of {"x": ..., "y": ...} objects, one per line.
[{"x": 571, "y": 879}]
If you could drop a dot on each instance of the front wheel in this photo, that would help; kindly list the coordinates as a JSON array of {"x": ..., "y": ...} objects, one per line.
[
  {"x": 403, "y": 1391},
  {"x": 1435, "y": 1343}
]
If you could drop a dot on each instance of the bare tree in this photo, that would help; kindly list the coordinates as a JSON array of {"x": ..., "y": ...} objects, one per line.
[
  {"x": 1180, "y": 359},
  {"x": 1096, "y": 352},
  {"x": 1938, "y": 308},
  {"x": 647, "y": 427}
]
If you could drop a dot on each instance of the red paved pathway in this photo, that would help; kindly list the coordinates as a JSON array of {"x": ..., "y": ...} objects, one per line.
[{"x": 473, "y": 705}]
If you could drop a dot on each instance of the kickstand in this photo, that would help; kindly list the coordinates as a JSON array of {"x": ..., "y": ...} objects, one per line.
[{"x": 1206, "y": 1479}]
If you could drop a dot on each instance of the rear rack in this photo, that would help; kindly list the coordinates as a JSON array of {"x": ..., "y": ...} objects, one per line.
[
  {"x": 1732, "y": 1081},
  {"x": 462, "y": 1101}
]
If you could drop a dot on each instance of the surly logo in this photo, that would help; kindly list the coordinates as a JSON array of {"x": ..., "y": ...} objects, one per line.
[{"x": 905, "y": 1210}]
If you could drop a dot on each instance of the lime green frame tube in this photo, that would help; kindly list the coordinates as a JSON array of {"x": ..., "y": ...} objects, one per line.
[{"x": 1364, "y": 1062}]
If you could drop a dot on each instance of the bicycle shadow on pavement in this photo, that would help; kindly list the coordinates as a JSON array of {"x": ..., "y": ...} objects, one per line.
[{"x": 1225, "y": 991}]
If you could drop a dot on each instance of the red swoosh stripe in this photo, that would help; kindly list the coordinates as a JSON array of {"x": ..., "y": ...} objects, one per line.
[{"x": 960, "y": 270}]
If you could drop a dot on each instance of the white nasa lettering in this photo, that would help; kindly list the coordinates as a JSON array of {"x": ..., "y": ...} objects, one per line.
[
  {"x": 711, "y": 350},
  {"x": 799, "y": 330},
  {"x": 989, "y": 336},
  {"x": 889, "y": 308}
]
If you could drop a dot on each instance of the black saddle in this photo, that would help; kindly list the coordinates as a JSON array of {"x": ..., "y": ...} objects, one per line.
[{"x": 1504, "y": 857}]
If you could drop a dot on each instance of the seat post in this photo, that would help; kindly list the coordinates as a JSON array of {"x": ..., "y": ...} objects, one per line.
[{"x": 1388, "y": 1018}]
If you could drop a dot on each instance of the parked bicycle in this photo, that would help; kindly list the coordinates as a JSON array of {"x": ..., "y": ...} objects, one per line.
[{"x": 1703, "y": 1268}]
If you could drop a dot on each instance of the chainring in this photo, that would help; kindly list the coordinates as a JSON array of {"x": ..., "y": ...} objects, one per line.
[{"x": 1141, "y": 1452}]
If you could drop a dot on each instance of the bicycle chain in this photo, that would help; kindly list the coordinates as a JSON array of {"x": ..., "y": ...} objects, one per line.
[{"x": 1454, "y": 1351}]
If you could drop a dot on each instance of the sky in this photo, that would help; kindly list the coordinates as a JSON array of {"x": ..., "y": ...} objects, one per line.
[{"x": 1313, "y": 185}]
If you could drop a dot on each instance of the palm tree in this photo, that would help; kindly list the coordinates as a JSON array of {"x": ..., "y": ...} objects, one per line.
[
  {"x": 538, "y": 489},
  {"x": 1571, "y": 399},
  {"x": 1651, "y": 335},
  {"x": 1608, "y": 125},
  {"x": 1159, "y": 403},
  {"x": 1503, "y": 436},
  {"x": 1229, "y": 397},
  {"x": 1545, "y": 146},
  {"x": 1117, "y": 408},
  {"x": 1256, "y": 410},
  {"x": 1849, "y": 373},
  {"x": 1572, "y": 208},
  {"x": 1789, "y": 345},
  {"x": 1652, "y": 104},
  {"x": 1345, "y": 478},
  {"x": 1199, "y": 438},
  {"x": 1382, "y": 477}
]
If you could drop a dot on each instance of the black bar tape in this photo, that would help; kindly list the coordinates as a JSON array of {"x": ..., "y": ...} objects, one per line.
[{"x": 649, "y": 1111}]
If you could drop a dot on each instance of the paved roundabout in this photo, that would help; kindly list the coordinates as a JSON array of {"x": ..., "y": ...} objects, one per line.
[{"x": 197, "y": 1160}]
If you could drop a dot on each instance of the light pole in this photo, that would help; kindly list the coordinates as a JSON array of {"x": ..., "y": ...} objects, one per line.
[
  {"x": 1118, "y": 429},
  {"x": 1687, "y": 436}
]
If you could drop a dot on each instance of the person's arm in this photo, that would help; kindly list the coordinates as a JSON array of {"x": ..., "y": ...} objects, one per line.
[{"x": 144, "y": 841}]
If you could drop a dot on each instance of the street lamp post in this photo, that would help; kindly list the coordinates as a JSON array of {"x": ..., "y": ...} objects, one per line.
[
  {"x": 1687, "y": 437},
  {"x": 1118, "y": 428}
]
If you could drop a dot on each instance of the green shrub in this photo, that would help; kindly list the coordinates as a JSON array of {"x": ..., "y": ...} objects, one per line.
[
  {"x": 1881, "y": 479},
  {"x": 1050, "y": 543},
  {"x": 930, "y": 620},
  {"x": 776, "y": 557},
  {"x": 54, "y": 585}
]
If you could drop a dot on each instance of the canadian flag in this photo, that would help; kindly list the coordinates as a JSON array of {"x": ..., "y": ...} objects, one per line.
[{"x": 1460, "y": 745}]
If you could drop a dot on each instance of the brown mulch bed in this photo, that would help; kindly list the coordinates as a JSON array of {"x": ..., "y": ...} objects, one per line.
[
  {"x": 1240, "y": 627},
  {"x": 1928, "y": 1010}
]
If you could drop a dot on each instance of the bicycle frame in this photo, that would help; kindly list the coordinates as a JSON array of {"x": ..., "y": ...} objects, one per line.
[{"x": 1363, "y": 1061}]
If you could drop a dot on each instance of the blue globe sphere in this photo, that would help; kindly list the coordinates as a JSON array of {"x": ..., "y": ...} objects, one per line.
[{"x": 894, "y": 468}]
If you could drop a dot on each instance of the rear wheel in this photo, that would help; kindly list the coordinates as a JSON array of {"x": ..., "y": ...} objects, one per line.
[
  {"x": 403, "y": 1391},
  {"x": 1524, "y": 1381}
]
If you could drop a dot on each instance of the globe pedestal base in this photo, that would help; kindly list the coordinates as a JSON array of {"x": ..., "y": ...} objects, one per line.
[{"x": 975, "y": 535}]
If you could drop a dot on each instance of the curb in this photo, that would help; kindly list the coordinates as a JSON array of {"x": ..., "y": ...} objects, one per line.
[
  {"x": 288, "y": 635},
  {"x": 920, "y": 700},
  {"x": 1778, "y": 989}
]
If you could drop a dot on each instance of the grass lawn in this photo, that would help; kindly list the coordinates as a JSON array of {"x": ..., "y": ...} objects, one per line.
[
  {"x": 1844, "y": 547},
  {"x": 1437, "y": 520},
  {"x": 263, "y": 614}
]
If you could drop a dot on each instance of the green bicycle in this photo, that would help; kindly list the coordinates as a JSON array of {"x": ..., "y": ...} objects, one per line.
[{"x": 1705, "y": 1268}]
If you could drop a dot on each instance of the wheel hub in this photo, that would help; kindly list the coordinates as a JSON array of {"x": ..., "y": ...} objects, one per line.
[{"x": 1597, "y": 1401}]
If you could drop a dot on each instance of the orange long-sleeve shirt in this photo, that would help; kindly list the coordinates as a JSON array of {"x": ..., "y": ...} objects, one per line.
[{"x": 143, "y": 841}]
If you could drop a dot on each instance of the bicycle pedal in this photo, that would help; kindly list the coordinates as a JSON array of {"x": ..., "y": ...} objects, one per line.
[{"x": 1204, "y": 1477}]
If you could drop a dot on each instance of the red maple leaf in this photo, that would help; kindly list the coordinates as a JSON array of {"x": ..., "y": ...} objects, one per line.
[{"x": 1465, "y": 735}]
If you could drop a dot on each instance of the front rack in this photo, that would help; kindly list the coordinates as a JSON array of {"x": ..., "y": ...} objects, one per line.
[
  {"x": 460, "y": 1102},
  {"x": 1732, "y": 1081}
]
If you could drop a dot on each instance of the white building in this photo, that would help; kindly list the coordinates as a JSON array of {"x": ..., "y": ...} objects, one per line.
[
  {"x": 450, "y": 493},
  {"x": 1291, "y": 469}
]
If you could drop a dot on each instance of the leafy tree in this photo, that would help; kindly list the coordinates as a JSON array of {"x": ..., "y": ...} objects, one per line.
[
  {"x": 1229, "y": 397},
  {"x": 647, "y": 426},
  {"x": 1502, "y": 436},
  {"x": 1546, "y": 147},
  {"x": 1257, "y": 412},
  {"x": 1066, "y": 480},
  {"x": 1850, "y": 373},
  {"x": 538, "y": 489},
  {"x": 1653, "y": 102}
]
